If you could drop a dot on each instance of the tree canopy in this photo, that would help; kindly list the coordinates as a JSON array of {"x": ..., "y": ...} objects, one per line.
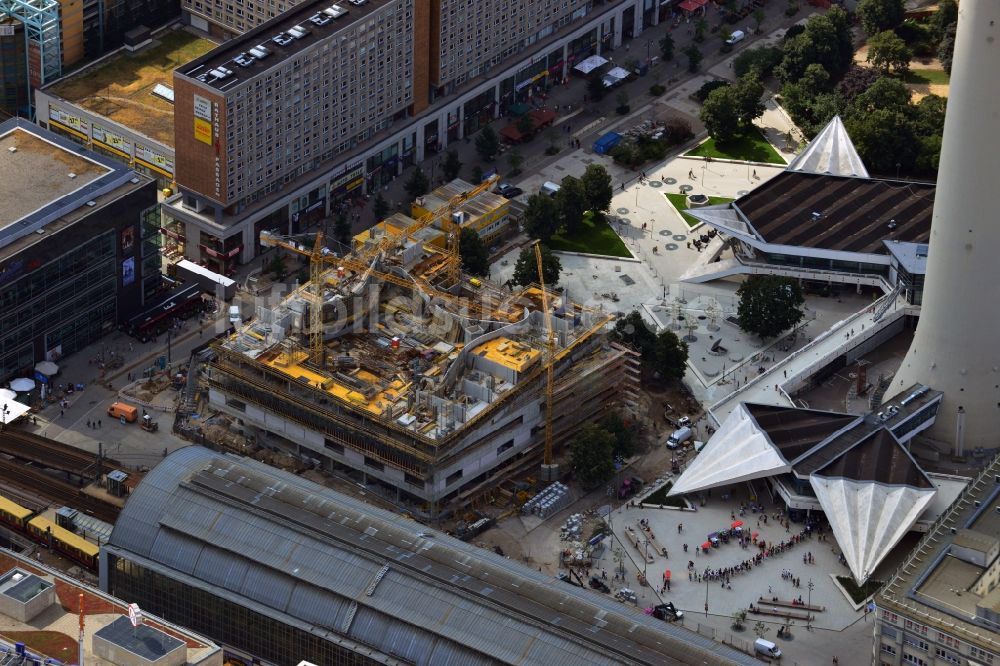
[
  {"x": 487, "y": 144},
  {"x": 541, "y": 219},
  {"x": 475, "y": 256},
  {"x": 633, "y": 331},
  {"x": 664, "y": 355},
  {"x": 667, "y": 47},
  {"x": 671, "y": 354},
  {"x": 887, "y": 51},
  {"x": 597, "y": 188},
  {"x": 730, "y": 110},
  {"x": 417, "y": 184},
  {"x": 526, "y": 268},
  {"x": 762, "y": 60},
  {"x": 694, "y": 57},
  {"x": 879, "y": 15},
  {"x": 572, "y": 202},
  {"x": 769, "y": 305},
  {"x": 592, "y": 455},
  {"x": 451, "y": 166},
  {"x": 380, "y": 207},
  {"x": 826, "y": 39}
]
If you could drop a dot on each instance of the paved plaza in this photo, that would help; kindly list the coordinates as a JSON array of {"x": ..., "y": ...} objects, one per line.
[{"x": 836, "y": 630}]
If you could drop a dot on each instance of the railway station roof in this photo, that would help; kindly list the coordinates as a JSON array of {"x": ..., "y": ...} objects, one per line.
[{"x": 350, "y": 572}]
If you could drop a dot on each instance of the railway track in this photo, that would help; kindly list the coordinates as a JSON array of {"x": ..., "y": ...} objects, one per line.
[
  {"x": 51, "y": 454},
  {"x": 59, "y": 492}
]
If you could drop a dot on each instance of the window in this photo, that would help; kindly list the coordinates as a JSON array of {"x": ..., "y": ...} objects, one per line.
[
  {"x": 949, "y": 640},
  {"x": 453, "y": 478},
  {"x": 506, "y": 446},
  {"x": 374, "y": 464},
  {"x": 945, "y": 655},
  {"x": 889, "y": 649},
  {"x": 916, "y": 628},
  {"x": 918, "y": 643},
  {"x": 980, "y": 655},
  {"x": 910, "y": 659},
  {"x": 333, "y": 446}
]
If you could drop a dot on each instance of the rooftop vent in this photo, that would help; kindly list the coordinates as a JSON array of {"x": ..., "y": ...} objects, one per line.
[
  {"x": 244, "y": 60},
  {"x": 220, "y": 73},
  {"x": 335, "y": 11},
  {"x": 298, "y": 31},
  {"x": 91, "y": 203},
  {"x": 71, "y": 175},
  {"x": 12, "y": 149},
  {"x": 281, "y": 39},
  {"x": 892, "y": 224},
  {"x": 816, "y": 214},
  {"x": 320, "y": 19},
  {"x": 358, "y": 3},
  {"x": 134, "y": 180}
]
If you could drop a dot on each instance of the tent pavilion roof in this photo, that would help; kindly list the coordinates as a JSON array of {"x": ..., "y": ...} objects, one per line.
[{"x": 831, "y": 153}]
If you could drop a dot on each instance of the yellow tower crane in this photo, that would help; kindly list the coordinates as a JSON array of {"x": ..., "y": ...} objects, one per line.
[{"x": 549, "y": 470}]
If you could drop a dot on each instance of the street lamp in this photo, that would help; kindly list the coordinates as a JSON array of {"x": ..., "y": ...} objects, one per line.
[
  {"x": 4, "y": 413},
  {"x": 810, "y": 586}
]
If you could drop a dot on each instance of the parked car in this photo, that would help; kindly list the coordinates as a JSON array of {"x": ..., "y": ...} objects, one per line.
[
  {"x": 667, "y": 612},
  {"x": 599, "y": 584},
  {"x": 508, "y": 191},
  {"x": 684, "y": 421}
]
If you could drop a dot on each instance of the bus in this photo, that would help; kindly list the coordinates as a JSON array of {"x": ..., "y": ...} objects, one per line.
[{"x": 180, "y": 302}]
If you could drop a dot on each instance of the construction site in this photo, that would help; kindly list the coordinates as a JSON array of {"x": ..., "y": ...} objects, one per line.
[{"x": 431, "y": 387}]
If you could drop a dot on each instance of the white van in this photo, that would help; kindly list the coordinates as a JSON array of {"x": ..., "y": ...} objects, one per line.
[
  {"x": 680, "y": 436},
  {"x": 735, "y": 37},
  {"x": 550, "y": 189},
  {"x": 766, "y": 648}
]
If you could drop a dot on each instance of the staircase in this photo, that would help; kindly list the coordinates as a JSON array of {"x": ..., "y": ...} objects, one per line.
[{"x": 887, "y": 302}]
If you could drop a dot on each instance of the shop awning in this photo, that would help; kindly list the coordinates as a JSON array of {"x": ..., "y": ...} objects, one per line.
[
  {"x": 590, "y": 64},
  {"x": 692, "y": 5},
  {"x": 519, "y": 109}
]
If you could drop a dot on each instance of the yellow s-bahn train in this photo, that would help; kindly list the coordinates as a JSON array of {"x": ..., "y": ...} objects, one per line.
[{"x": 48, "y": 533}]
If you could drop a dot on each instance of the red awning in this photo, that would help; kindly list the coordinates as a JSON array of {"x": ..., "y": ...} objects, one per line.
[
  {"x": 691, "y": 5},
  {"x": 542, "y": 117},
  {"x": 707, "y": 544},
  {"x": 512, "y": 134},
  {"x": 737, "y": 523}
]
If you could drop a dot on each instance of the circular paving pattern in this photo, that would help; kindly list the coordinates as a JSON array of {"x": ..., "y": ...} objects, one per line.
[
  {"x": 680, "y": 237},
  {"x": 686, "y": 188},
  {"x": 621, "y": 211},
  {"x": 670, "y": 181},
  {"x": 670, "y": 246},
  {"x": 666, "y": 232},
  {"x": 655, "y": 183},
  {"x": 741, "y": 193},
  {"x": 624, "y": 220}
]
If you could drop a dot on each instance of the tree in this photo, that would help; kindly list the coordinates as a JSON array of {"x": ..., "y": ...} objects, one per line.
[
  {"x": 472, "y": 249},
  {"x": 694, "y": 57},
  {"x": 633, "y": 331},
  {"x": 884, "y": 138},
  {"x": 541, "y": 219},
  {"x": 596, "y": 88},
  {"x": 622, "y": 99},
  {"x": 451, "y": 165},
  {"x": 380, "y": 207},
  {"x": 515, "y": 159},
  {"x": 928, "y": 117},
  {"x": 417, "y": 184},
  {"x": 887, "y": 51},
  {"x": 616, "y": 425},
  {"x": 667, "y": 47},
  {"x": 671, "y": 355},
  {"x": 477, "y": 174},
  {"x": 857, "y": 80},
  {"x": 886, "y": 94},
  {"x": 526, "y": 268},
  {"x": 769, "y": 305},
  {"x": 761, "y": 60},
  {"x": 748, "y": 93},
  {"x": 278, "y": 267},
  {"x": 946, "y": 49},
  {"x": 879, "y": 15},
  {"x": 739, "y": 618},
  {"x": 721, "y": 114},
  {"x": 597, "y": 188},
  {"x": 758, "y": 18},
  {"x": 592, "y": 455},
  {"x": 760, "y": 629},
  {"x": 572, "y": 202},
  {"x": 700, "y": 26},
  {"x": 946, "y": 15},
  {"x": 826, "y": 40},
  {"x": 487, "y": 144},
  {"x": 342, "y": 229}
]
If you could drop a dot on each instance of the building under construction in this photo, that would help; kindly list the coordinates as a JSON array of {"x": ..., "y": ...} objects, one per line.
[{"x": 404, "y": 370}]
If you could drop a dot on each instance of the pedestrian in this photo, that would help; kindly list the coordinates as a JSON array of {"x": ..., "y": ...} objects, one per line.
[
  {"x": 98, "y": 423},
  {"x": 755, "y": 174},
  {"x": 60, "y": 412},
  {"x": 88, "y": 423}
]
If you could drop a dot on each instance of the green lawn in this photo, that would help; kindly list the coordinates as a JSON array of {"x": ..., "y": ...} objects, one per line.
[
  {"x": 679, "y": 201},
  {"x": 751, "y": 146},
  {"x": 660, "y": 498},
  {"x": 927, "y": 76},
  {"x": 592, "y": 238}
]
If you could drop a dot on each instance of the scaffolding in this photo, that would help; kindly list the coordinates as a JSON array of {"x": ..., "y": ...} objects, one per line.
[{"x": 42, "y": 28}]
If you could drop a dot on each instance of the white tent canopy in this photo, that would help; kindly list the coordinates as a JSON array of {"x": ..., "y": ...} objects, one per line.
[
  {"x": 831, "y": 152},
  {"x": 47, "y": 368},
  {"x": 590, "y": 64},
  {"x": 11, "y": 409},
  {"x": 738, "y": 451},
  {"x": 23, "y": 384},
  {"x": 7, "y": 394}
]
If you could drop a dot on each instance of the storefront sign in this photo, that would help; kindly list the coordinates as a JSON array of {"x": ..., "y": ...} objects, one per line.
[
  {"x": 69, "y": 121},
  {"x": 349, "y": 181},
  {"x": 154, "y": 160},
  {"x": 203, "y": 131},
  {"x": 112, "y": 140}
]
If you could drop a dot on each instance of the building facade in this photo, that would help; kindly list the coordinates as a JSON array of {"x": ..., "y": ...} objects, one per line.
[
  {"x": 83, "y": 256},
  {"x": 941, "y": 606},
  {"x": 343, "y": 108}
]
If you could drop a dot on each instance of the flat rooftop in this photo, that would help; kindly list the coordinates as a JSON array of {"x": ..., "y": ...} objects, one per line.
[
  {"x": 120, "y": 88},
  {"x": 36, "y": 173},
  {"x": 299, "y": 15},
  {"x": 54, "y": 631},
  {"x": 148, "y": 642},
  {"x": 840, "y": 213},
  {"x": 934, "y": 585}
]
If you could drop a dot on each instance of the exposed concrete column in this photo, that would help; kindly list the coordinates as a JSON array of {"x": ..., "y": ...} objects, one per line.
[
  {"x": 565, "y": 60},
  {"x": 443, "y": 129},
  {"x": 421, "y": 141},
  {"x": 496, "y": 101},
  {"x": 656, "y": 12},
  {"x": 637, "y": 19},
  {"x": 616, "y": 41},
  {"x": 250, "y": 240},
  {"x": 461, "y": 120}
]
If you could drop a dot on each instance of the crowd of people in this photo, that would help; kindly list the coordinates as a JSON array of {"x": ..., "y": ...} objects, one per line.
[{"x": 767, "y": 549}]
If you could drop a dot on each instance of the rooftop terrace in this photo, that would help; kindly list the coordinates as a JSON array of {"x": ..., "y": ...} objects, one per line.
[{"x": 121, "y": 87}]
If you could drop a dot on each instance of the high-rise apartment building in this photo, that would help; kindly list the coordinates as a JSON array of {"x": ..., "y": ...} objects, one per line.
[{"x": 327, "y": 101}]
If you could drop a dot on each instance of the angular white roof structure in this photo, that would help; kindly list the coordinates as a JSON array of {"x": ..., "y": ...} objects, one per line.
[
  {"x": 871, "y": 495},
  {"x": 831, "y": 152},
  {"x": 738, "y": 451},
  {"x": 724, "y": 217}
]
